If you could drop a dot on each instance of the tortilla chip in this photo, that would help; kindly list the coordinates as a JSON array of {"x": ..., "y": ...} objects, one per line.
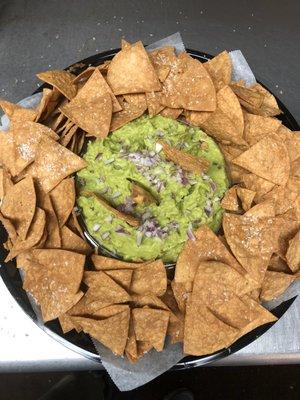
[
  {"x": 66, "y": 138},
  {"x": 293, "y": 253},
  {"x": 26, "y": 138},
  {"x": 257, "y": 127},
  {"x": 182, "y": 291},
  {"x": 288, "y": 228},
  {"x": 142, "y": 196},
  {"x": 226, "y": 123},
  {"x": 192, "y": 89},
  {"x": 7, "y": 152},
  {"x": 186, "y": 161},
  {"x": 74, "y": 225},
  {"x": 63, "y": 199},
  {"x": 107, "y": 263},
  {"x": 203, "y": 332},
  {"x": 70, "y": 241},
  {"x": 258, "y": 185},
  {"x": 10, "y": 229},
  {"x": 47, "y": 104},
  {"x": 151, "y": 326},
  {"x": 256, "y": 99},
  {"x": 252, "y": 240},
  {"x": 295, "y": 168},
  {"x": 105, "y": 290},
  {"x": 197, "y": 118},
  {"x": 262, "y": 210},
  {"x": 206, "y": 247},
  {"x": 136, "y": 99},
  {"x": 119, "y": 214},
  {"x": 230, "y": 200},
  {"x": 154, "y": 103},
  {"x": 90, "y": 110},
  {"x": 19, "y": 206},
  {"x": 219, "y": 68},
  {"x": 149, "y": 300},
  {"x": 61, "y": 80},
  {"x": 84, "y": 75},
  {"x": 122, "y": 277},
  {"x": 16, "y": 112},
  {"x": 278, "y": 264},
  {"x": 268, "y": 159},
  {"x": 53, "y": 279},
  {"x": 129, "y": 113},
  {"x": 274, "y": 284},
  {"x": 112, "y": 332},
  {"x": 57, "y": 122},
  {"x": 5, "y": 183},
  {"x": 176, "y": 322},
  {"x": 162, "y": 60},
  {"x": 293, "y": 146},
  {"x": 173, "y": 113},
  {"x": 246, "y": 196},
  {"x": 131, "y": 349},
  {"x": 53, "y": 163},
  {"x": 149, "y": 278},
  {"x": 53, "y": 233},
  {"x": 66, "y": 323},
  {"x": 131, "y": 71}
]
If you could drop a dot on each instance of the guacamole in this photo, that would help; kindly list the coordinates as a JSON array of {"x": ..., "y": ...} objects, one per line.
[{"x": 185, "y": 200}]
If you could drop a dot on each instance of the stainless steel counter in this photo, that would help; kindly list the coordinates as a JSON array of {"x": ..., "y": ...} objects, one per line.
[{"x": 26, "y": 347}]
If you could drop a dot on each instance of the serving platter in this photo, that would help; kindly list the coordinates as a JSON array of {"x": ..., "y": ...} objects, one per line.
[{"x": 81, "y": 343}]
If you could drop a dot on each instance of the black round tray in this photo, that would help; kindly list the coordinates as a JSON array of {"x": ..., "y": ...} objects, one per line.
[{"x": 81, "y": 343}]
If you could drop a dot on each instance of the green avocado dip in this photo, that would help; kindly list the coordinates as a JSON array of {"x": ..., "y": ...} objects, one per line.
[{"x": 185, "y": 200}]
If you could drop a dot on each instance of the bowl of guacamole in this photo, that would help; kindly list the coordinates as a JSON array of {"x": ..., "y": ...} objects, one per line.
[{"x": 182, "y": 200}]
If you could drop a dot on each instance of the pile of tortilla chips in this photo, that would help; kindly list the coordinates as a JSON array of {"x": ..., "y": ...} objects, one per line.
[{"x": 219, "y": 281}]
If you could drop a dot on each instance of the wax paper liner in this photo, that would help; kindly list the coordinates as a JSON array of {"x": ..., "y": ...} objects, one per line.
[{"x": 125, "y": 375}]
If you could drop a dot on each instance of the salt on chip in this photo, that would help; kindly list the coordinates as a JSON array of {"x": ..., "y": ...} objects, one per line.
[
  {"x": 70, "y": 241},
  {"x": 293, "y": 253},
  {"x": 252, "y": 240},
  {"x": 274, "y": 284},
  {"x": 61, "y": 80},
  {"x": 150, "y": 277},
  {"x": 206, "y": 247},
  {"x": 268, "y": 159},
  {"x": 151, "y": 326},
  {"x": 136, "y": 99},
  {"x": 16, "y": 112},
  {"x": 186, "y": 161},
  {"x": 112, "y": 332},
  {"x": 34, "y": 235},
  {"x": 162, "y": 60},
  {"x": 92, "y": 114},
  {"x": 19, "y": 205},
  {"x": 105, "y": 290},
  {"x": 192, "y": 89},
  {"x": 226, "y": 123},
  {"x": 103, "y": 263},
  {"x": 246, "y": 196},
  {"x": 63, "y": 199},
  {"x": 53, "y": 163},
  {"x": 131, "y": 71},
  {"x": 219, "y": 68},
  {"x": 129, "y": 113},
  {"x": 26, "y": 137}
]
